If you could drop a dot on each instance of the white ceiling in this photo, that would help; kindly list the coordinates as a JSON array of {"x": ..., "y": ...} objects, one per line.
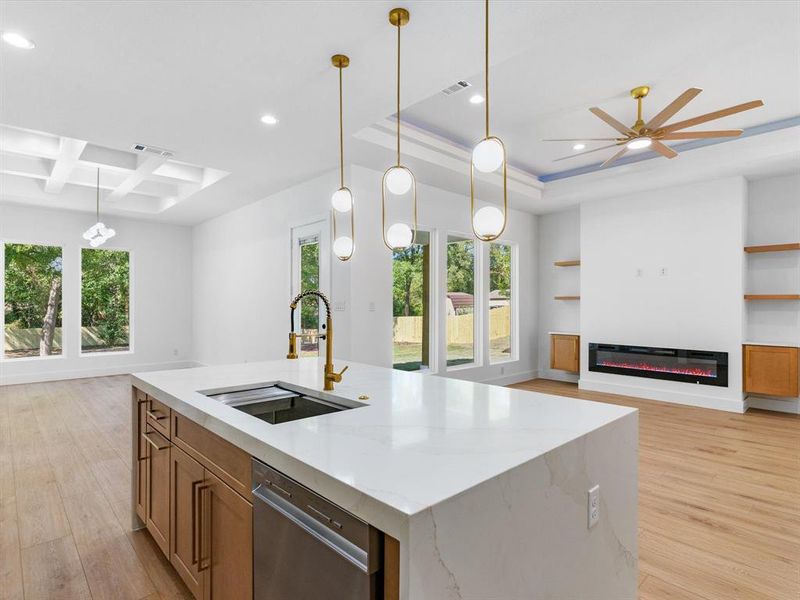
[{"x": 195, "y": 77}]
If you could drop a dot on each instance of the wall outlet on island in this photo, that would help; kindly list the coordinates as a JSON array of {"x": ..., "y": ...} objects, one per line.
[{"x": 593, "y": 506}]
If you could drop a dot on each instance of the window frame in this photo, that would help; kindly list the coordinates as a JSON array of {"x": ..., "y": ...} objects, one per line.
[
  {"x": 64, "y": 320},
  {"x": 477, "y": 300},
  {"x": 514, "y": 355},
  {"x": 319, "y": 227},
  {"x": 131, "y": 303}
]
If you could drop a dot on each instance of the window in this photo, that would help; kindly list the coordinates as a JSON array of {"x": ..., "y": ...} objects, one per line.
[
  {"x": 411, "y": 284},
  {"x": 105, "y": 300},
  {"x": 460, "y": 302},
  {"x": 309, "y": 307},
  {"x": 500, "y": 299},
  {"x": 32, "y": 300}
]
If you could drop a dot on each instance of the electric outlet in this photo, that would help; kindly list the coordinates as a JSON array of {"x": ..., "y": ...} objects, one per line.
[
  {"x": 371, "y": 307},
  {"x": 339, "y": 306},
  {"x": 175, "y": 352},
  {"x": 593, "y": 506},
  {"x": 663, "y": 271},
  {"x": 639, "y": 272},
  {"x": 502, "y": 370}
]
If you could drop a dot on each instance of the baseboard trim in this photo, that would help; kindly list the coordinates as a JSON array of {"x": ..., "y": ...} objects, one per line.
[
  {"x": 736, "y": 406},
  {"x": 93, "y": 372},
  {"x": 785, "y": 405},
  {"x": 512, "y": 378}
]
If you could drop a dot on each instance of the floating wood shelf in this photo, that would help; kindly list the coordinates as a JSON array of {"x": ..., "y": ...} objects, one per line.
[
  {"x": 772, "y": 296},
  {"x": 567, "y": 263},
  {"x": 572, "y": 297},
  {"x": 773, "y": 248}
]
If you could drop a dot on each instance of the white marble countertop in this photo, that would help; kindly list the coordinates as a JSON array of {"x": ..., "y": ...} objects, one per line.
[
  {"x": 778, "y": 344},
  {"x": 419, "y": 439}
]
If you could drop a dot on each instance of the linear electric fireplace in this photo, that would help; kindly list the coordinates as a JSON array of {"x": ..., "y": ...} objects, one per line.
[{"x": 692, "y": 366}]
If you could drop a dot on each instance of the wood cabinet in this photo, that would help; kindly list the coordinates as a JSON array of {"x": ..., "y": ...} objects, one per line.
[
  {"x": 157, "y": 500},
  {"x": 565, "y": 351},
  {"x": 772, "y": 370},
  {"x": 186, "y": 478}
]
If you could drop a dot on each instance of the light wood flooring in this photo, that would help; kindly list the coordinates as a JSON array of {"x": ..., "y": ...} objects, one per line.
[{"x": 719, "y": 499}]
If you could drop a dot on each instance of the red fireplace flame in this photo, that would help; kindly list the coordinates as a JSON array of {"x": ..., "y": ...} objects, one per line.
[{"x": 643, "y": 366}]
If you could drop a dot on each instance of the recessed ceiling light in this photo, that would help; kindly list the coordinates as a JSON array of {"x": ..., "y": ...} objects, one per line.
[
  {"x": 477, "y": 99},
  {"x": 269, "y": 120},
  {"x": 579, "y": 146},
  {"x": 17, "y": 40}
]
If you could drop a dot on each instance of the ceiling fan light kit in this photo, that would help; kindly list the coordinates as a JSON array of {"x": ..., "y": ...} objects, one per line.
[{"x": 651, "y": 134}]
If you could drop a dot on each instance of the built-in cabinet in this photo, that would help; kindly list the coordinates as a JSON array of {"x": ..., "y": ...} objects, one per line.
[
  {"x": 565, "y": 352},
  {"x": 193, "y": 494},
  {"x": 772, "y": 370}
]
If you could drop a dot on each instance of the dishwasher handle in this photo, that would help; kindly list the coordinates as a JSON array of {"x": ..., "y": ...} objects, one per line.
[{"x": 342, "y": 546}]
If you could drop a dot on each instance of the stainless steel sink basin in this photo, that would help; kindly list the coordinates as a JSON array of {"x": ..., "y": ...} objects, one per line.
[{"x": 277, "y": 404}]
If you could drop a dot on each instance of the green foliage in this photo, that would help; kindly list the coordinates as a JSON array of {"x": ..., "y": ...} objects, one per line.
[
  {"x": 309, "y": 280},
  {"x": 461, "y": 266},
  {"x": 105, "y": 294},
  {"x": 500, "y": 268},
  {"x": 29, "y": 273},
  {"x": 407, "y": 280}
]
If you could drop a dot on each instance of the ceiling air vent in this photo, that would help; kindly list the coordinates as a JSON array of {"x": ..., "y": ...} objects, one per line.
[
  {"x": 152, "y": 150},
  {"x": 456, "y": 87}
]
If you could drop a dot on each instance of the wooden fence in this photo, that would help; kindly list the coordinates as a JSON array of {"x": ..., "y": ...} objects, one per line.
[{"x": 408, "y": 330}]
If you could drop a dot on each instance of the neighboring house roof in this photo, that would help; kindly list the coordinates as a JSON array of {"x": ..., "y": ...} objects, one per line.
[{"x": 461, "y": 299}]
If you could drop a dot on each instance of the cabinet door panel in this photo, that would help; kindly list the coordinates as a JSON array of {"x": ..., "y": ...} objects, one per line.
[
  {"x": 771, "y": 370},
  {"x": 565, "y": 353},
  {"x": 187, "y": 477},
  {"x": 158, "y": 502},
  {"x": 227, "y": 546}
]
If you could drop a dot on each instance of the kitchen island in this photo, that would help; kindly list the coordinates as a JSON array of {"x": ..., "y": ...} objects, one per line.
[{"x": 481, "y": 491}]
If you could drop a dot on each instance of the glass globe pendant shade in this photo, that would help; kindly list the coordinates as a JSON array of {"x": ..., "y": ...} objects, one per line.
[
  {"x": 342, "y": 200},
  {"x": 399, "y": 236},
  {"x": 488, "y": 155},
  {"x": 488, "y": 221},
  {"x": 398, "y": 180},
  {"x": 343, "y": 246}
]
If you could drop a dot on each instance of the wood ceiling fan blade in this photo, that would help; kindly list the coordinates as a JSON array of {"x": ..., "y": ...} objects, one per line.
[
  {"x": 615, "y": 157},
  {"x": 691, "y": 135},
  {"x": 672, "y": 108},
  {"x": 663, "y": 149},
  {"x": 718, "y": 114},
  {"x": 587, "y": 152},
  {"x": 584, "y": 140},
  {"x": 623, "y": 129}
]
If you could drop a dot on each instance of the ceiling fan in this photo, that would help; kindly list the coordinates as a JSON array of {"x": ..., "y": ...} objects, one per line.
[{"x": 654, "y": 132}]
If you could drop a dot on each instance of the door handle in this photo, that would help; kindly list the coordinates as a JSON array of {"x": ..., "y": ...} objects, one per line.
[{"x": 197, "y": 487}]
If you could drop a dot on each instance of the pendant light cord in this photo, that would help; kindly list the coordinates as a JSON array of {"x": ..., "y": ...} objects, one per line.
[
  {"x": 398, "y": 92},
  {"x": 98, "y": 195},
  {"x": 486, "y": 65},
  {"x": 341, "y": 133}
]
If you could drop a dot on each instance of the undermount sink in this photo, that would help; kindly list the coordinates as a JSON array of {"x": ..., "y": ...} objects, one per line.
[{"x": 277, "y": 404}]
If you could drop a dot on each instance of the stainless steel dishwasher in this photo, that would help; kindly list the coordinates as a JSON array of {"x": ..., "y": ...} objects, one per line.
[{"x": 306, "y": 548}]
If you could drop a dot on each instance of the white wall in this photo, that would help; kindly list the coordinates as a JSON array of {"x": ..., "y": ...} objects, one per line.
[
  {"x": 242, "y": 269},
  {"x": 160, "y": 288},
  {"x": 559, "y": 239},
  {"x": 694, "y": 231}
]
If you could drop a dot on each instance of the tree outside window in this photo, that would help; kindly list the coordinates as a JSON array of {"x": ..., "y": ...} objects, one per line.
[
  {"x": 105, "y": 300},
  {"x": 33, "y": 276},
  {"x": 500, "y": 298}
]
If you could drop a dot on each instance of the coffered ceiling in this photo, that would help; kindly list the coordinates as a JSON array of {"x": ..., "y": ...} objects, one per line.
[{"x": 195, "y": 77}]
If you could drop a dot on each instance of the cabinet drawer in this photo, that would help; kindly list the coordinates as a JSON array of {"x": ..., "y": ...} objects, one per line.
[
  {"x": 158, "y": 415},
  {"x": 226, "y": 461},
  {"x": 771, "y": 370}
]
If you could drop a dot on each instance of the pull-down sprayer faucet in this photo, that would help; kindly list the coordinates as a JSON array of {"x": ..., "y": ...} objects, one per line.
[{"x": 329, "y": 375}]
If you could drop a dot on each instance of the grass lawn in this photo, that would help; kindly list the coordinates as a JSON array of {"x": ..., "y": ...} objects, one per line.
[{"x": 408, "y": 357}]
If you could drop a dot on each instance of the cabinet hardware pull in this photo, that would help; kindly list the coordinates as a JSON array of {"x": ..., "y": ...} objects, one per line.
[
  {"x": 153, "y": 414},
  {"x": 195, "y": 521},
  {"x": 146, "y": 436},
  {"x": 322, "y": 515},
  {"x": 204, "y": 530},
  {"x": 279, "y": 488}
]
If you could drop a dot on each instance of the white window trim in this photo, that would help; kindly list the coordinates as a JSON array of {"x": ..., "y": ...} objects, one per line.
[
  {"x": 131, "y": 306},
  {"x": 321, "y": 228},
  {"x": 64, "y": 320}
]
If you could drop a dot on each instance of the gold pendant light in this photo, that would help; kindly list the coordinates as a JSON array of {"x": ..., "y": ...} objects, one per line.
[
  {"x": 489, "y": 154},
  {"x": 342, "y": 199},
  {"x": 398, "y": 180}
]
